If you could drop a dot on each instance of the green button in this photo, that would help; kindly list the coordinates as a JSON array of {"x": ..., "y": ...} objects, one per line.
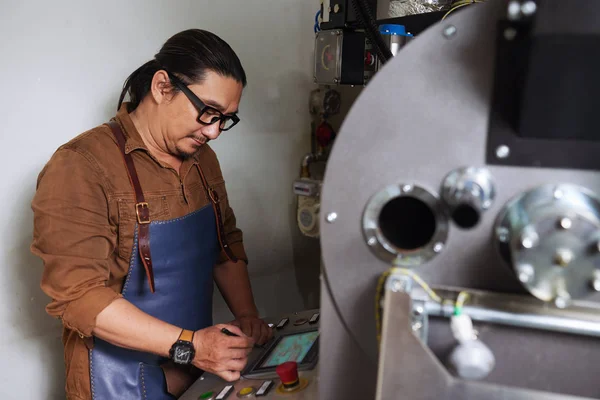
[{"x": 206, "y": 395}]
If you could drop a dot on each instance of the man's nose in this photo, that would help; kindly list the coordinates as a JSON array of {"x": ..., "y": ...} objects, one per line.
[{"x": 211, "y": 131}]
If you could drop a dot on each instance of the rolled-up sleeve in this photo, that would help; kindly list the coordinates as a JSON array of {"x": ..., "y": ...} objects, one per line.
[{"x": 74, "y": 238}]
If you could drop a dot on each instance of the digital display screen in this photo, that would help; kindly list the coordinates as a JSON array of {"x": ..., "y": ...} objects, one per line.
[{"x": 290, "y": 348}]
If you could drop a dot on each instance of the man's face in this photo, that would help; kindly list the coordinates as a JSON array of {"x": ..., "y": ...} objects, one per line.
[{"x": 182, "y": 133}]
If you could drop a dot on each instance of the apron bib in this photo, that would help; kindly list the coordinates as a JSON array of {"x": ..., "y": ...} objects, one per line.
[{"x": 184, "y": 252}]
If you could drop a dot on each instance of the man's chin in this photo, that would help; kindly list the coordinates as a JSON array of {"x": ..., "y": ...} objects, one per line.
[{"x": 188, "y": 153}]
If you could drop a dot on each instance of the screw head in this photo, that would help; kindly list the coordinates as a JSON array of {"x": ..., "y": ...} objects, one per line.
[
  {"x": 449, "y": 31},
  {"x": 563, "y": 257},
  {"x": 565, "y": 223},
  {"x": 336, "y": 80},
  {"x": 596, "y": 284},
  {"x": 526, "y": 273},
  {"x": 418, "y": 310},
  {"x": 407, "y": 188},
  {"x": 558, "y": 194},
  {"x": 439, "y": 246},
  {"x": 514, "y": 10},
  {"x": 372, "y": 241},
  {"x": 561, "y": 302},
  {"x": 529, "y": 8},
  {"x": 529, "y": 240},
  {"x": 502, "y": 234},
  {"x": 396, "y": 285},
  {"x": 331, "y": 217},
  {"x": 416, "y": 326},
  {"x": 502, "y": 151}
]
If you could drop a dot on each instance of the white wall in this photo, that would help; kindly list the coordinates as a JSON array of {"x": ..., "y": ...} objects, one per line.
[{"x": 63, "y": 64}]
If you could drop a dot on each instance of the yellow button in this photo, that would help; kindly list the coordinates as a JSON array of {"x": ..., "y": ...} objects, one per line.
[{"x": 246, "y": 390}]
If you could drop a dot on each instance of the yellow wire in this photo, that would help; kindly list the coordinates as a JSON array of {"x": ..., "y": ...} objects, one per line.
[
  {"x": 379, "y": 292},
  {"x": 460, "y": 300},
  {"x": 460, "y": 4}
]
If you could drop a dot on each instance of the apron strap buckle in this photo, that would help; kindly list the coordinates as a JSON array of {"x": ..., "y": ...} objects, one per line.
[{"x": 143, "y": 213}]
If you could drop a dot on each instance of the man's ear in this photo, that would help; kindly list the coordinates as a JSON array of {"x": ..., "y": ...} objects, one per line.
[{"x": 160, "y": 87}]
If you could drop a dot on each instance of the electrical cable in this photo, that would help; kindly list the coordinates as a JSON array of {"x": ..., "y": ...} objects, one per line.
[
  {"x": 380, "y": 291},
  {"x": 317, "y": 26},
  {"x": 460, "y": 302},
  {"x": 460, "y": 4},
  {"x": 367, "y": 21}
]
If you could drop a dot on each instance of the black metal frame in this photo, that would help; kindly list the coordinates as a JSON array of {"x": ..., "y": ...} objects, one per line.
[{"x": 523, "y": 118}]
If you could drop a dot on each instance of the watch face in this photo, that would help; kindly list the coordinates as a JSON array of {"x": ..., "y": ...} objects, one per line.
[{"x": 183, "y": 354}]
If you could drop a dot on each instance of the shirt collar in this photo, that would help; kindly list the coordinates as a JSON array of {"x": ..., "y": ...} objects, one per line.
[{"x": 133, "y": 139}]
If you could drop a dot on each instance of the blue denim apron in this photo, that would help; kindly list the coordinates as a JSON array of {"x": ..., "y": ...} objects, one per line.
[{"x": 184, "y": 251}]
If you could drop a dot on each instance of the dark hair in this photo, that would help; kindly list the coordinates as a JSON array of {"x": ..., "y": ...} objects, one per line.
[{"x": 188, "y": 55}]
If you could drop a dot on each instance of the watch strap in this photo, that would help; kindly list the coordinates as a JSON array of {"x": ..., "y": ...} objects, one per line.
[{"x": 186, "y": 335}]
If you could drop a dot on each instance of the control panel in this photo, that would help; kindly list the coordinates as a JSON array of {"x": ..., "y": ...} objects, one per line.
[{"x": 285, "y": 367}]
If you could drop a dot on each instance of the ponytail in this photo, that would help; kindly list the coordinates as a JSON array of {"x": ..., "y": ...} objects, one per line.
[{"x": 138, "y": 84}]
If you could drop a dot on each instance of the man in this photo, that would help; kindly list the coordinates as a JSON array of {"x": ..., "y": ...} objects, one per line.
[{"x": 130, "y": 219}]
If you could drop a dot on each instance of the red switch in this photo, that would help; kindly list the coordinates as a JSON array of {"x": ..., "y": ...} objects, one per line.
[
  {"x": 288, "y": 373},
  {"x": 369, "y": 59},
  {"x": 325, "y": 134}
]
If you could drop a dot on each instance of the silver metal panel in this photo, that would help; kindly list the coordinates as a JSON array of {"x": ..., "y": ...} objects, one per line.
[{"x": 423, "y": 115}]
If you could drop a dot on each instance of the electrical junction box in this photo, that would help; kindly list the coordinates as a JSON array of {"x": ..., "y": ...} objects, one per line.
[{"x": 339, "y": 57}]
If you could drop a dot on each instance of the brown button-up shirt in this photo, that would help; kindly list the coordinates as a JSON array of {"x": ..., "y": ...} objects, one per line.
[{"x": 85, "y": 221}]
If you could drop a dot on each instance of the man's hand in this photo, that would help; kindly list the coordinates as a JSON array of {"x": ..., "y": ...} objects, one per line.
[
  {"x": 222, "y": 355},
  {"x": 254, "y": 327}
]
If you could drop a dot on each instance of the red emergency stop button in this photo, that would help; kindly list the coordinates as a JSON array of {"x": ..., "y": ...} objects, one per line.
[{"x": 288, "y": 373}]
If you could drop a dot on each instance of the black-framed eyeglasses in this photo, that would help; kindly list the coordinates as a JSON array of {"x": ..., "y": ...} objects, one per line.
[{"x": 207, "y": 115}]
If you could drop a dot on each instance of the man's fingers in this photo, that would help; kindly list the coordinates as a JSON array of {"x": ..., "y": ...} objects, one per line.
[
  {"x": 237, "y": 353},
  {"x": 235, "y": 365},
  {"x": 240, "y": 343},
  {"x": 232, "y": 328},
  {"x": 229, "y": 376}
]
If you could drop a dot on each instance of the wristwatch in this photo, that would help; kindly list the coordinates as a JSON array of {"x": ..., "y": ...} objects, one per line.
[{"x": 182, "y": 351}]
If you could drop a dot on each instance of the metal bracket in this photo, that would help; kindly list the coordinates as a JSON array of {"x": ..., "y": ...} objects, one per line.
[{"x": 419, "y": 321}]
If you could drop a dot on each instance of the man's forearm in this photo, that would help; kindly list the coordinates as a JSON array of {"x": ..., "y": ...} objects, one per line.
[
  {"x": 234, "y": 284},
  {"x": 125, "y": 325}
]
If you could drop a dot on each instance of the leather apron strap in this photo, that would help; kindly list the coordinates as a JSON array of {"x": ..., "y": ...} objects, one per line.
[
  {"x": 214, "y": 199},
  {"x": 141, "y": 206}
]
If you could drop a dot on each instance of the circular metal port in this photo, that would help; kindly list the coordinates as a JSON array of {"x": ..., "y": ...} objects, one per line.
[
  {"x": 550, "y": 236},
  {"x": 405, "y": 225},
  {"x": 468, "y": 192}
]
